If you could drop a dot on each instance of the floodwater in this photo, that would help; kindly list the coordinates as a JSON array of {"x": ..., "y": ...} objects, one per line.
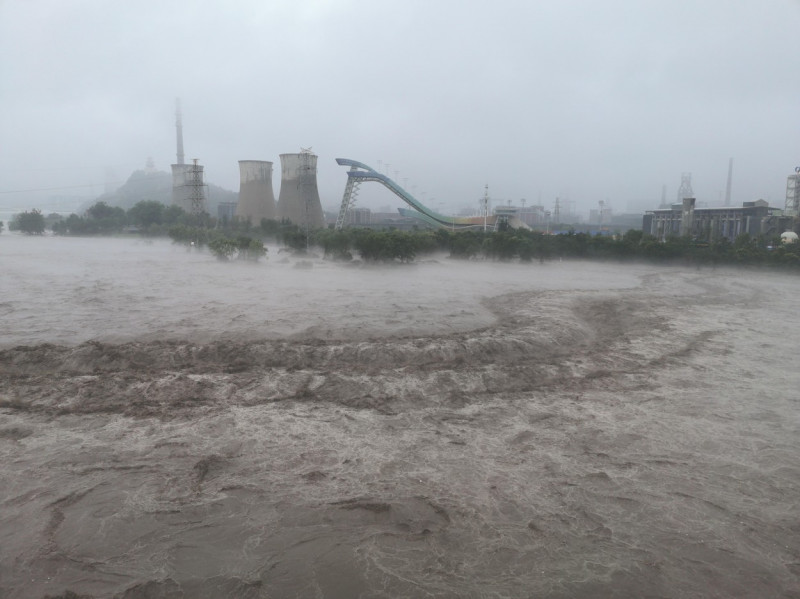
[{"x": 174, "y": 427}]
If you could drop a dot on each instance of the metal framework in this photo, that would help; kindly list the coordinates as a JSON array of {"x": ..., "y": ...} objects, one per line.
[
  {"x": 792, "y": 207},
  {"x": 360, "y": 172},
  {"x": 348, "y": 200},
  {"x": 685, "y": 190},
  {"x": 196, "y": 195}
]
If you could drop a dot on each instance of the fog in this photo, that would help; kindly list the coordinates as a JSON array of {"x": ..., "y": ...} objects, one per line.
[
  {"x": 580, "y": 100},
  {"x": 171, "y": 426}
]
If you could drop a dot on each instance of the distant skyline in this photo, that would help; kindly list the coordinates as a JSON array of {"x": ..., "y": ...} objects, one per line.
[{"x": 574, "y": 99}]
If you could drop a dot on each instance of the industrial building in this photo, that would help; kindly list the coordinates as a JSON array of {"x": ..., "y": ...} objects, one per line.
[
  {"x": 298, "y": 200},
  {"x": 709, "y": 224},
  {"x": 793, "y": 194},
  {"x": 256, "y": 198},
  {"x": 226, "y": 211}
]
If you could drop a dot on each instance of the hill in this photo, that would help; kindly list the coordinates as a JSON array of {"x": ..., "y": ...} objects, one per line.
[{"x": 157, "y": 185}]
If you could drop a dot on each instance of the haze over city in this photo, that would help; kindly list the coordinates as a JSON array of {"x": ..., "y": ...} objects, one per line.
[{"x": 580, "y": 100}]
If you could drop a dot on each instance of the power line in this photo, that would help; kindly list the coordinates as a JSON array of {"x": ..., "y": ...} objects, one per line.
[
  {"x": 67, "y": 187},
  {"x": 65, "y": 168}
]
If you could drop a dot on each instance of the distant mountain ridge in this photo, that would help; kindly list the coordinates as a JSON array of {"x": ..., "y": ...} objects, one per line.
[{"x": 156, "y": 186}]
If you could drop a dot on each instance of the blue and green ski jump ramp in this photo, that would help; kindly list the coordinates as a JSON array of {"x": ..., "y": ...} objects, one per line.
[{"x": 360, "y": 173}]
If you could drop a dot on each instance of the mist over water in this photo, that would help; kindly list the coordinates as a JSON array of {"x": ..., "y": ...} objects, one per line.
[{"x": 171, "y": 426}]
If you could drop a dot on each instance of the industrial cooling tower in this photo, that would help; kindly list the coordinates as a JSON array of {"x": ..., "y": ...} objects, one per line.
[
  {"x": 298, "y": 200},
  {"x": 256, "y": 199},
  {"x": 180, "y": 189}
]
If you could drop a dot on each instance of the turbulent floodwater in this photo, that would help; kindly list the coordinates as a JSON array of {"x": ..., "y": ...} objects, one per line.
[{"x": 173, "y": 427}]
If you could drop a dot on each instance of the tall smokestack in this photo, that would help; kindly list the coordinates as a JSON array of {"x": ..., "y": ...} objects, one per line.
[
  {"x": 179, "y": 127},
  {"x": 298, "y": 200},
  {"x": 185, "y": 176},
  {"x": 256, "y": 199},
  {"x": 728, "y": 187}
]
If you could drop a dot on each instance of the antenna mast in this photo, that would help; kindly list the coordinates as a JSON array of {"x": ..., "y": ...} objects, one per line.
[
  {"x": 685, "y": 190},
  {"x": 485, "y": 203}
]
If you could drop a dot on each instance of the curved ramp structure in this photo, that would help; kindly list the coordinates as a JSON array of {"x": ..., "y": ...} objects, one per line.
[{"x": 360, "y": 172}]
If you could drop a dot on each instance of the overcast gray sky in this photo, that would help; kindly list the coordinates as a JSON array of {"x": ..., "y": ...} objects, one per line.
[{"x": 577, "y": 99}]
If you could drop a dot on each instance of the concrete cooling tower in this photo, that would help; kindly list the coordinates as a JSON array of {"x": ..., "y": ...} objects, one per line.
[
  {"x": 180, "y": 189},
  {"x": 256, "y": 199},
  {"x": 298, "y": 200}
]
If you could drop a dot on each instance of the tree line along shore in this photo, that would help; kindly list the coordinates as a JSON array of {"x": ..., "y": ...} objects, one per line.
[{"x": 238, "y": 239}]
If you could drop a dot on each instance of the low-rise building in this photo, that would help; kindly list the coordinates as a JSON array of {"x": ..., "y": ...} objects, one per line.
[{"x": 709, "y": 224}]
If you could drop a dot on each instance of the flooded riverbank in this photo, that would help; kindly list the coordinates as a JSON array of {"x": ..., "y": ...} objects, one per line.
[{"x": 171, "y": 426}]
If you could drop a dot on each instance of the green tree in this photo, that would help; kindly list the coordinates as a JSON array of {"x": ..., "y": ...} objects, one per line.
[
  {"x": 501, "y": 245},
  {"x": 241, "y": 248},
  {"x": 249, "y": 249},
  {"x": 370, "y": 246},
  {"x": 101, "y": 210},
  {"x": 294, "y": 238},
  {"x": 173, "y": 215},
  {"x": 335, "y": 244},
  {"x": 105, "y": 219},
  {"x": 146, "y": 214},
  {"x": 29, "y": 222},
  {"x": 223, "y": 248},
  {"x": 400, "y": 246},
  {"x": 465, "y": 244}
]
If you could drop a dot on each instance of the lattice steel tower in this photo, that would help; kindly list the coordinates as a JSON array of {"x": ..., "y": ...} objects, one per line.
[
  {"x": 685, "y": 190},
  {"x": 196, "y": 189}
]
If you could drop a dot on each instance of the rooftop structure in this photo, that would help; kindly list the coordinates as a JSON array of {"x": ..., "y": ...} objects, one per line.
[{"x": 685, "y": 190}]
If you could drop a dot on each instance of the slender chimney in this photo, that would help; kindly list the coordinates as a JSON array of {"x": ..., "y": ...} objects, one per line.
[
  {"x": 728, "y": 187},
  {"x": 179, "y": 127}
]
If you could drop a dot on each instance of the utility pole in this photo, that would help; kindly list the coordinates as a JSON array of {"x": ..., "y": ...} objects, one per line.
[{"x": 485, "y": 207}]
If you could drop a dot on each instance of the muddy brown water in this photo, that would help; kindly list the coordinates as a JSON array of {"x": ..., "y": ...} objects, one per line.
[{"x": 174, "y": 427}]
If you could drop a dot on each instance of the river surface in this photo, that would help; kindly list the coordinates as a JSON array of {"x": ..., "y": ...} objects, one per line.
[{"x": 176, "y": 427}]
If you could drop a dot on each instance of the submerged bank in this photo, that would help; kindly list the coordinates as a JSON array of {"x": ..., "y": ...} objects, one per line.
[{"x": 581, "y": 431}]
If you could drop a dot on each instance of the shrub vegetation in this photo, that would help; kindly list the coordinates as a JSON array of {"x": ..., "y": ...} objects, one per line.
[{"x": 240, "y": 239}]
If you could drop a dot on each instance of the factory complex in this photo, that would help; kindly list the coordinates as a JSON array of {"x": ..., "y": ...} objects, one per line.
[
  {"x": 299, "y": 202},
  {"x": 709, "y": 224}
]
